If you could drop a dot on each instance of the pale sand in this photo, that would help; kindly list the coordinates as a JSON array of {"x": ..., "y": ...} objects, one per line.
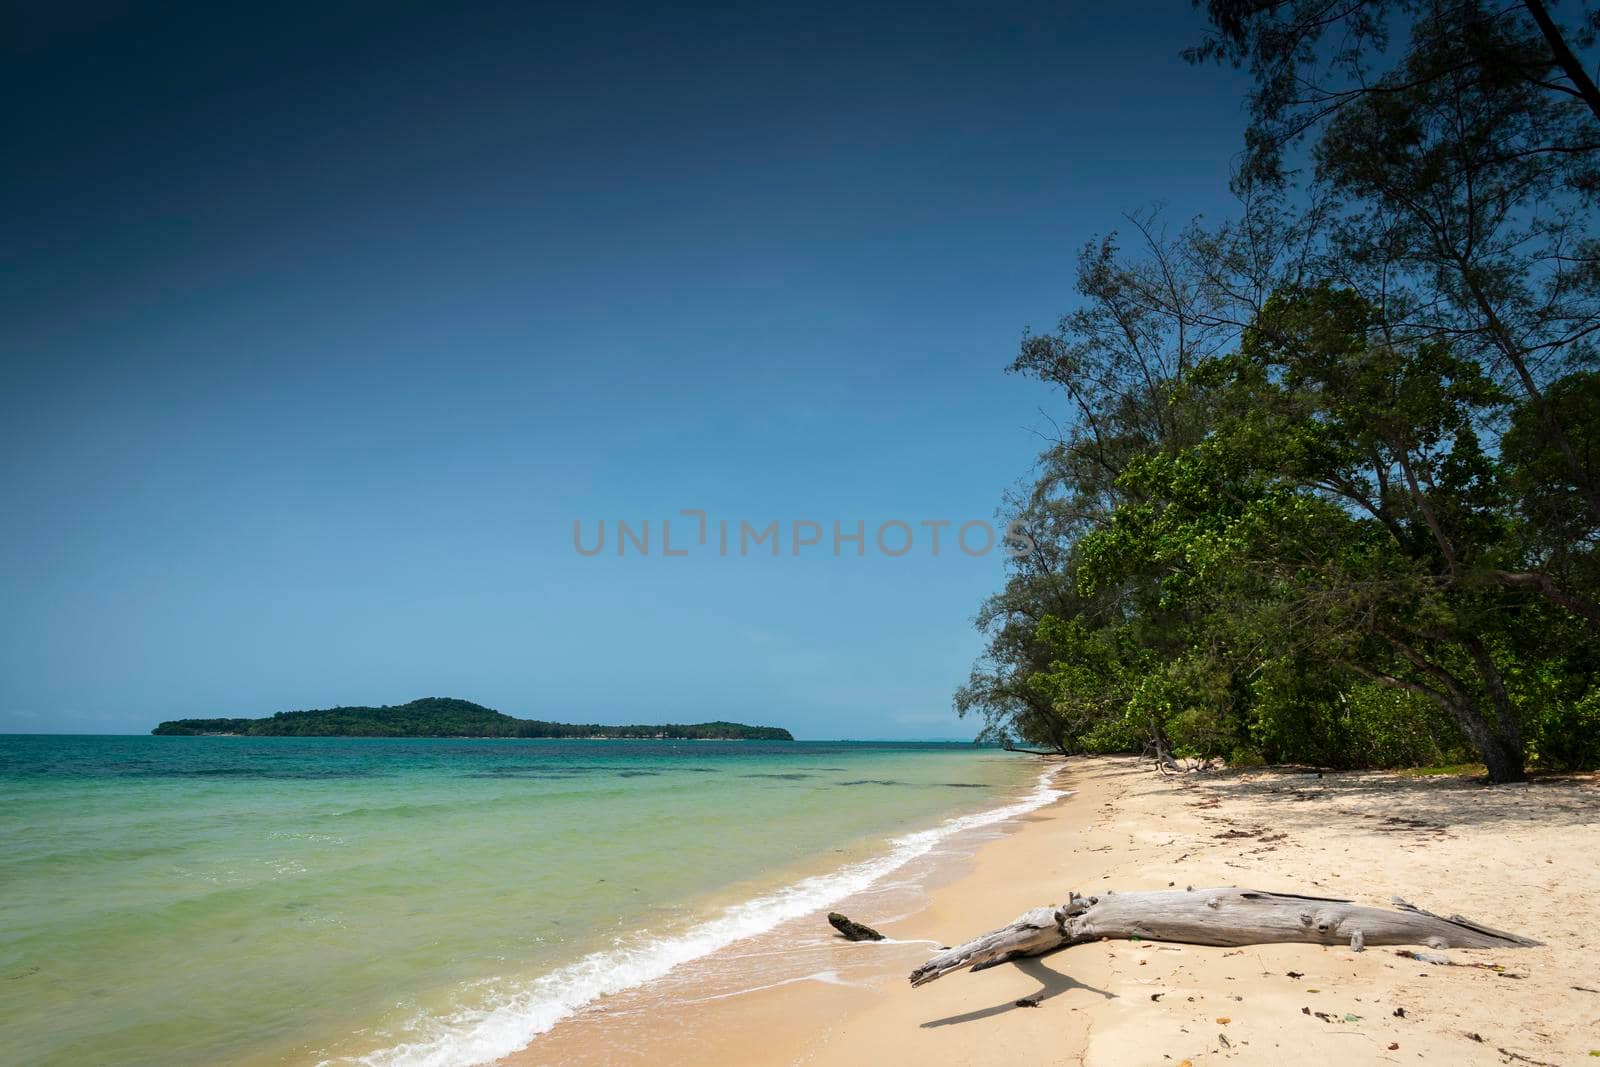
[{"x": 1524, "y": 858}]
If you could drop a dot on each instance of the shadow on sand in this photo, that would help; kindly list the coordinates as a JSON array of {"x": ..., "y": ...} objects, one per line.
[{"x": 1052, "y": 983}]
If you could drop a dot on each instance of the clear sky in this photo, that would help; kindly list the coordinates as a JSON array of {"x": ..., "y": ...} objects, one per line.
[{"x": 320, "y": 326}]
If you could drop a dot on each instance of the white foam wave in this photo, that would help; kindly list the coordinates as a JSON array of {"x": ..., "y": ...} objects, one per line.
[
  {"x": 825, "y": 977},
  {"x": 482, "y": 1035}
]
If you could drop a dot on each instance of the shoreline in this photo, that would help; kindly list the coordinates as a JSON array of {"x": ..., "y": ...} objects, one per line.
[
  {"x": 1518, "y": 857},
  {"x": 783, "y": 1021},
  {"x": 725, "y": 925}
]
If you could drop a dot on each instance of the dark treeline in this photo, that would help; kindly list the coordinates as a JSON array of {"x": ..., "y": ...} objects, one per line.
[
  {"x": 1327, "y": 487},
  {"x": 448, "y": 717}
]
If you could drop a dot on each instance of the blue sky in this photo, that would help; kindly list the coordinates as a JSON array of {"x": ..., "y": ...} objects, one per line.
[{"x": 321, "y": 326}]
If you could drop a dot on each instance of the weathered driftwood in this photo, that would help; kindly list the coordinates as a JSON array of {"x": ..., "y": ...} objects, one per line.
[
  {"x": 1213, "y": 917},
  {"x": 851, "y": 930}
]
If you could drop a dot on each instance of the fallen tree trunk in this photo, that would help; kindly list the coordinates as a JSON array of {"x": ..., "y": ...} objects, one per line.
[{"x": 1213, "y": 917}]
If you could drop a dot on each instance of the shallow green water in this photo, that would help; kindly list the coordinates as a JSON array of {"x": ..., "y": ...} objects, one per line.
[{"x": 174, "y": 900}]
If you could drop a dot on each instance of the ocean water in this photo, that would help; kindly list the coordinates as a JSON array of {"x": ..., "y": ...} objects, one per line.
[{"x": 409, "y": 902}]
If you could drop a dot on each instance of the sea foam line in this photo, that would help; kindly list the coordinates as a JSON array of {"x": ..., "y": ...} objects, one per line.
[{"x": 482, "y": 1035}]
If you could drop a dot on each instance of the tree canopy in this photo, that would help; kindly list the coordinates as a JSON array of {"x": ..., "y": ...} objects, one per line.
[{"x": 1326, "y": 485}]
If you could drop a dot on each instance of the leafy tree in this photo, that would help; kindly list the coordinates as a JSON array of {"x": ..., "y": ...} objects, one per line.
[
  {"x": 1456, "y": 188},
  {"x": 1326, "y": 482},
  {"x": 1312, "y": 59},
  {"x": 1344, "y": 492}
]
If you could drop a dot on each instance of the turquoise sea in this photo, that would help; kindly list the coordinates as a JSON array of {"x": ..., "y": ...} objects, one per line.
[{"x": 402, "y": 902}]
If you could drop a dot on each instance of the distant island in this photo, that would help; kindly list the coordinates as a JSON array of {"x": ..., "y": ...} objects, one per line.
[{"x": 449, "y": 717}]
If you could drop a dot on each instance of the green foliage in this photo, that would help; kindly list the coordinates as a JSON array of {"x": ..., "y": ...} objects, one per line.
[
  {"x": 1541, "y": 477},
  {"x": 1567, "y": 734},
  {"x": 1331, "y": 573},
  {"x": 1327, "y": 489},
  {"x": 1301, "y": 712},
  {"x": 448, "y": 717}
]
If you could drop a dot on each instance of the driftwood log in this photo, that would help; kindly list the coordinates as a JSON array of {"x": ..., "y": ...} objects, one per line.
[{"x": 1213, "y": 917}]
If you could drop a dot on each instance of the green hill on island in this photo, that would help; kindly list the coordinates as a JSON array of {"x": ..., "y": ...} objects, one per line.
[{"x": 448, "y": 717}]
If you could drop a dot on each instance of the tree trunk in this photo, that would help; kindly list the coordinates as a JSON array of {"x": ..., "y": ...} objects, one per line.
[
  {"x": 1213, "y": 917},
  {"x": 1562, "y": 53},
  {"x": 1162, "y": 748},
  {"x": 1507, "y": 730},
  {"x": 1497, "y": 738},
  {"x": 1505, "y": 762}
]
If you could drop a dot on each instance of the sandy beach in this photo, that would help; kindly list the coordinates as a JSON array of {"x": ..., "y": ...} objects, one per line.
[{"x": 1518, "y": 857}]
